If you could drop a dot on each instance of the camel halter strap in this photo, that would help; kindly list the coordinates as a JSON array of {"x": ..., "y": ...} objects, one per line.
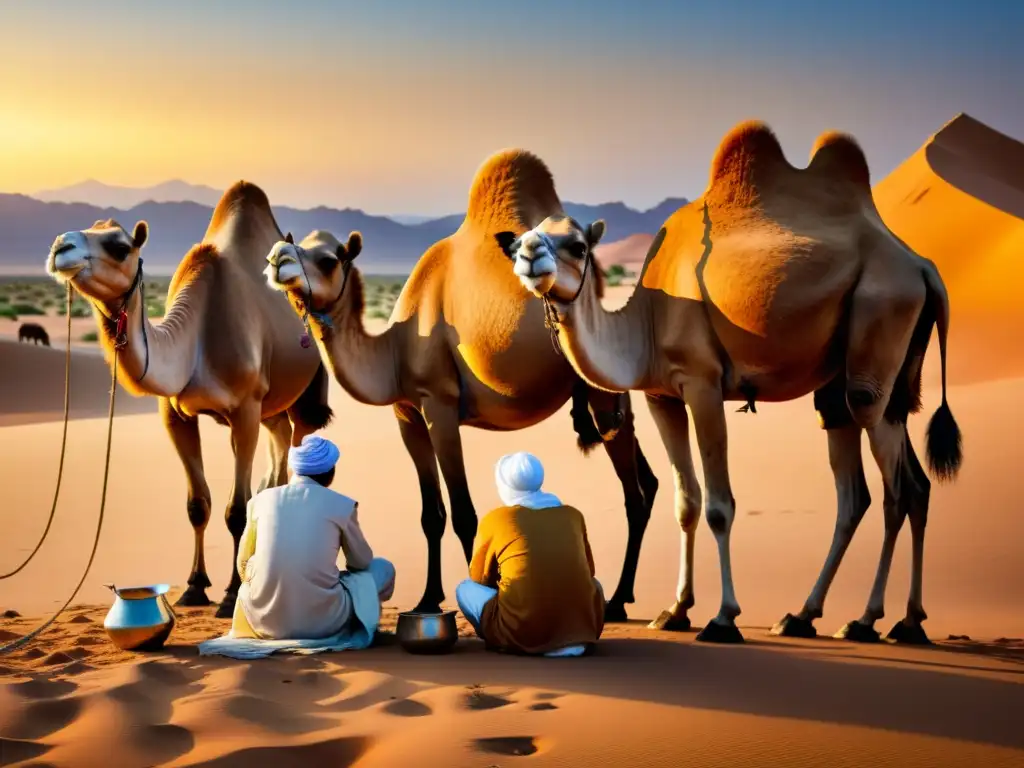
[
  {"x": 27, "y": 638},
  {"x": 121, "y": 319},
  {"x": 322, "y": 316},
  {"x": 550, "y": 313}
]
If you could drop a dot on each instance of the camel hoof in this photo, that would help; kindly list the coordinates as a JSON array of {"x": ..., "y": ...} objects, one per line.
[
  {"x": 226, "y": 609},
  {"x": 908, "y": 634},
  {"x": 669, "y": 622},
  {"x": 193, "y": 597},
  {"x": 615, "y": 613},
  {"x": 857, "y": 632},
  {"x": 794, "y": 626},
  {"x": 720, "y": 633}
]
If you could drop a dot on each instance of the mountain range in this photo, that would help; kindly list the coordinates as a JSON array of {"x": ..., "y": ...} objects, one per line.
[{"x": 178, "y": 214}]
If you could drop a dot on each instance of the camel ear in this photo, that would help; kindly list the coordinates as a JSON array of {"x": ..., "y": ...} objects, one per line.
[
  {"x": 594, "y": 233},
  {"x": 505, "y": 241},
  {"x": 141, "y": 234},
  {"x": 289, "y": 239},
  {"x": 352, "y": 248}
]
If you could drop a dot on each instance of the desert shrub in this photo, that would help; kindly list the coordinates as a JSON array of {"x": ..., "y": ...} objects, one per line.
[
  {"x": 378, "y": 313},
  {"x": 615, "y": 270},
  {"x": 154, "y": 308},
  {"x": 90, "y": 336},
  {"x": 24, "y": 308},
  {"x": 6, "y": 310}
]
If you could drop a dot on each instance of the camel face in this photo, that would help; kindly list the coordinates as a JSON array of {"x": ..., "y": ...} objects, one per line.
[
  {"x": 101, "y": 262},
  {"x": 311, "y": 271},
  {"x": 549, "y": 259}
]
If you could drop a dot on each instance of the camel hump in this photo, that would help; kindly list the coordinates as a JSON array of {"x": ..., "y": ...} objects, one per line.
[
  {"x": 839, "y": 156},
  {"x": 512, "y": 186},
  {"x": 242, "y": 196},
  {"x": 746, "y": 152}
]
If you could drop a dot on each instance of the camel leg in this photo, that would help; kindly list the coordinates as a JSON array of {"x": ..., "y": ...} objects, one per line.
[
  {"x": 639, "y": 487},
  {"x": 844, "y": 453},
  {"x": 279, "y": 429},
  {"x": 184, "y": 435},
  {"x": 889, "y": 447},
  {"x": 909, "y": 630},
  {"x": 443, "y": 425},
  {"x": 245, "y": 428},
  {"x": 706, "y": 404},
  {"x": 433, "y": 516},
  {"x": 674, "y": 427}
]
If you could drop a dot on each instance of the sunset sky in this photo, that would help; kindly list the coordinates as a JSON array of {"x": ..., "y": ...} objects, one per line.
[{"x": 391, "y": 106}]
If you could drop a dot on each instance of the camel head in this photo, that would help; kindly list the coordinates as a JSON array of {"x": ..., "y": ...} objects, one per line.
[
  {"x": 102, "y": 262},
  {"x": 312, "y": 273},
  {"x": 551, "y": 258}
]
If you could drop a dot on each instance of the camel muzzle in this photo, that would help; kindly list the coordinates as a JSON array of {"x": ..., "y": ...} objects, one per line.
[{"x": 68, "y": 255}]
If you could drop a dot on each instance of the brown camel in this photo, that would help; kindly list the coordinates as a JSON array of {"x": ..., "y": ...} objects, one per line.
[
  {"x": 466, "y": 346},
  {"x": 777, "y": 283},
  {"x": 226, "y": 348},
  {"x": 35, "y": 333}
]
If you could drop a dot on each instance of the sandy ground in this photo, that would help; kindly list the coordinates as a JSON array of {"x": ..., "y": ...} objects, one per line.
[{"x": 72, "y": 699}]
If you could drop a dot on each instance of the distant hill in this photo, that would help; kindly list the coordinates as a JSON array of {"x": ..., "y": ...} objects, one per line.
[
  {"x": 102, "y": 195},
  {"x": 959, "y": 201},
  {"x": 29, "y": 226}
]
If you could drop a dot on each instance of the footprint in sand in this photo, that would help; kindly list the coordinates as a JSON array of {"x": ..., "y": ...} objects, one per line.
[
  {"x": 274, "y": 716},
  {"x": 477, "y": 700},
  {"x": 542, "y": 706},
  {"x": 407, "y": 708},
  {"x": 40, "y": 718},
  {"x": 16, "y": 751},
  {"x": 511, "y": 746},
  {"x": 43, "y": 688},
  {"x": 337, "y": 753}
]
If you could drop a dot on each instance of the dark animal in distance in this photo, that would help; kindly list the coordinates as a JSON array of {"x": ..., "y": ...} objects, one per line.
[{"x": 33, "y": 332}]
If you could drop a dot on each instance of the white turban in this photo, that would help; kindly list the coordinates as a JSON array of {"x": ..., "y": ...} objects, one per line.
[
  {"x": 519, "y": 477},
  {"x": 313, "y": 457}
]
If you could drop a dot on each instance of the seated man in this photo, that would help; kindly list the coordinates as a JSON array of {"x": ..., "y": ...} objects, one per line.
[
  {"x": 288, "y": 558},
  {"x": 531, "y": 586}
]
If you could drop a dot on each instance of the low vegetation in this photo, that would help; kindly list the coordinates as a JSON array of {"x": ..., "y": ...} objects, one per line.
[
  {"x": 25, "y": 296},
  {"x": 616, "y": 274}
]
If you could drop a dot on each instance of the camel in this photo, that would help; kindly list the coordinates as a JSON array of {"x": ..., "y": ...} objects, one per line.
[
  {"x": 35, "y": 333},
  {"x": 776, "y": 283},
  {"x": 227, "y": 348},
  {"x": 465, "y": 346}
]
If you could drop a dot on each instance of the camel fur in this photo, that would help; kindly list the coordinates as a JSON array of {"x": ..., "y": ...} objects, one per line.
[
  {"x": 227, "y": 347},
  {"x": 776, "y": 283}
]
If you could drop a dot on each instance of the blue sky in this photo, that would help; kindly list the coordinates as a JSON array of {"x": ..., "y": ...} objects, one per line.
[{"x": 391, "y": 106}]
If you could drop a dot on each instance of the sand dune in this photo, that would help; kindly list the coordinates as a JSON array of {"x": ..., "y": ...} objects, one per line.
[
  {"x": 32, "y": 385},
  {"x": 630, "y": 252},
  {"x": 664, "y": 701},
  {"x": 959, "y": 201}
]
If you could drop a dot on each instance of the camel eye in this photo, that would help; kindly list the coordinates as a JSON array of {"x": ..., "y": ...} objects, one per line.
[
  {"x": 326, "y": 264},
  {"x": 577, "y": 248},
  {"x": 117, "y": 249}
]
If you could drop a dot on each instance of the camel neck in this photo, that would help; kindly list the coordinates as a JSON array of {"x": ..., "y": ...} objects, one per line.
[
  {"x": 158, "y": 359},
  {"x": 364, "y": 364},
  {"x": 609, "y": 349}
]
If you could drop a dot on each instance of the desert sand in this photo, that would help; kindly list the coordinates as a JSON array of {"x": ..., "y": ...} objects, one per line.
[{"x": 72, "y": 699}]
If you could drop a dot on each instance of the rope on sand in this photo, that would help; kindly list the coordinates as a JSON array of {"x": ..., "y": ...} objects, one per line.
[{"x": 19, "y": 642}]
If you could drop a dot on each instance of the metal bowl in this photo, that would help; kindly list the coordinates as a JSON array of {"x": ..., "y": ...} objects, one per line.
[
  {"x": 140, "y": 619},
  {"x": 427, "y": 632}
]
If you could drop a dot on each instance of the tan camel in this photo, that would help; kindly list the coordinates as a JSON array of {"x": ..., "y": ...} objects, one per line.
[
  {"x": 466, "y": 346},
  {"x": 228, "y": 347},
  {"x": 777, "y": 283}
]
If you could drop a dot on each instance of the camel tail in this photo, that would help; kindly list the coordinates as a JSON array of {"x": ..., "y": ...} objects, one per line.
[
  {"x": 587, "y": 434},
  {"x": 311, "y": 408},
  {"x": 945, "y": 443}
]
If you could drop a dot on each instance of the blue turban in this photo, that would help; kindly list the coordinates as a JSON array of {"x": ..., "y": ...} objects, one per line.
[
  {"x": 519, "y": 477},
  {"x": 313, "y": 457}
]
